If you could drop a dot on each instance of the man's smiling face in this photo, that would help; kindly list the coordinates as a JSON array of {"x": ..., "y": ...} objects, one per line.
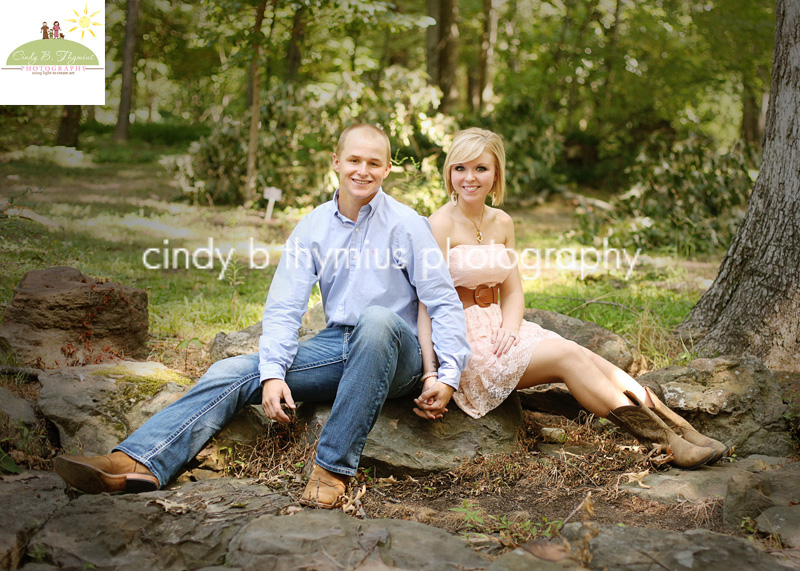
[{"x": 362, "y": 166}]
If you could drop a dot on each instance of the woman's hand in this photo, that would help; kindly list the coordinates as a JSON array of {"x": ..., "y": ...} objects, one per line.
[
  {"x": 432, "y": 403},
  {"x": 503, "y": 339}
]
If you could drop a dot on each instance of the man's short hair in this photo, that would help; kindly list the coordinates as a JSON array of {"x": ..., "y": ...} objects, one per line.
[{"x": 375, "y": 130}]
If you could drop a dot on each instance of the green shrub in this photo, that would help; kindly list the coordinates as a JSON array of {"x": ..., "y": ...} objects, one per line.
[
  {"x": 298, "y": 131},
  {"x": 689, "y": 198}
]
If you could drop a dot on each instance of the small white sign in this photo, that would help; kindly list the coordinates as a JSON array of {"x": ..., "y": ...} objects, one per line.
[{"x": 272, "y": 194}]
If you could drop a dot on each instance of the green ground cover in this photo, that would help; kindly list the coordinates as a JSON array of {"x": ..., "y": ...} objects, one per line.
[{"x": 111, "y": 213}]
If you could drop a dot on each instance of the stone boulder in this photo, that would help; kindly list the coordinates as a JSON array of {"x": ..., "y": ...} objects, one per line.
[
  {"x": 60, "y": 317},
  {"x": 333, "y": 540},
  {"x": 403, "y": 443},
  {"x": 28, "y": 500},
  {"x": 615, "y": 547},
  {"x": 751, "y": 493},
  {"x": 612, "y": 347},
  {"x": 18, "y": 423},
  {"x": 97, "y": 406},
  {"x": 735, "y": 400},
  {"x": 782, "y": 522}
]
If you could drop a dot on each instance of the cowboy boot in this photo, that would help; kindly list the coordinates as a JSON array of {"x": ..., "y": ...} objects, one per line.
[
  {"x": 324, "y": 488},
  {"x": 115, "y": 472},
  {"x": 644, "y": 425},
  {"x": 686, "y": 430}
]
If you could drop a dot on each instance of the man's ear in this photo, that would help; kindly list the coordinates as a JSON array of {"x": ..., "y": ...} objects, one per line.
[{"x": 335, "y": 162}]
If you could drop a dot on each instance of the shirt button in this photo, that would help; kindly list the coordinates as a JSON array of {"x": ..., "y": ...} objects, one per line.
[{"x": 357, "y": 229}]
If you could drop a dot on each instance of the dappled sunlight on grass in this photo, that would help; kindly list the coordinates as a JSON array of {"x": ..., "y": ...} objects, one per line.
[{"x": 105, "y": 235}]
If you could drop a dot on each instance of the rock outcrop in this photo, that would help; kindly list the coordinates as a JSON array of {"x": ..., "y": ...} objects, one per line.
[
  {"x": 736, "y": 400},
  {"x": 61, "y": 317},
  {"x": 97, "y": 406},
  {"x": 403, "y": 443}
]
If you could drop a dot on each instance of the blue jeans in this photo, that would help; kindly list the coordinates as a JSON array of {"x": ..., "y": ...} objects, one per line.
[{"x": 357, "y": 368}]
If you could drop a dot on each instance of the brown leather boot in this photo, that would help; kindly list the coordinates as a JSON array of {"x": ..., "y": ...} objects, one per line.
[
  {"x": 324, "y": 488},
  {"x": 115, "y": 472},
  {"x": 686, "y": 430},
  {"x": 644, "y": 425}
]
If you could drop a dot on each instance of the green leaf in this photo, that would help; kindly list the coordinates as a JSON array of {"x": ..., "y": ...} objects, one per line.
[{"x": 7, "y": 464}]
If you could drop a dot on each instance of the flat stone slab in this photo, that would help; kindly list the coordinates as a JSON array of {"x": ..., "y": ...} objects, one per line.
[
  {"x": 632, "y": 548},
  {"x": 28, "y": 500},
  {"x": 675, "y": 485},
  {"x": 189, "y": 527},
  {"x": 332, "y": 540}
]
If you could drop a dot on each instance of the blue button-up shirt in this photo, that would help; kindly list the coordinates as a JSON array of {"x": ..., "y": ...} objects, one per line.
[{"x": 387, "y": 257}]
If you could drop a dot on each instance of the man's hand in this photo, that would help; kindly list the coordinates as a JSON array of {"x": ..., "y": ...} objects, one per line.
[
  {"x": 433, "y": 400},
  {"x": 272, "y": 392}
]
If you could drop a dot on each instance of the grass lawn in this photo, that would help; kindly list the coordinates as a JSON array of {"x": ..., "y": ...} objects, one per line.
[{"x": 118, "y": 216}]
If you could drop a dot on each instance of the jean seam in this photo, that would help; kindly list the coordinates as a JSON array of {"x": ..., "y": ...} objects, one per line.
[
  {"x": 315, "y": 364},
  {"x": 202, "y": 412}
]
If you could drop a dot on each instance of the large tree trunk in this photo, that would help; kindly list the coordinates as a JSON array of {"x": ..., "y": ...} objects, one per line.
[
  {"x": 753, "y": 307},
  {"x": 249, "y": 194},
  {"x": 69, "y": 127},
  {"x": 126, "y": 94}
]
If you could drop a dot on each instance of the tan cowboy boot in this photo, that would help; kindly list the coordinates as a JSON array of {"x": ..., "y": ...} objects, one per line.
[
  {"x": 686, "y": 430},
  {"x": 115, "y": 472},
  {"x": 324, "y": 488},
  {"x": 644, "y": 425}
]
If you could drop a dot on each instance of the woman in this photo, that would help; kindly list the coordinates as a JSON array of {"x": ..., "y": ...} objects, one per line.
[{"x": 509, "y": 353}]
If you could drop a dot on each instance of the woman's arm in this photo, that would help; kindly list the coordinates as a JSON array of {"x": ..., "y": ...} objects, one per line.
[
  {"x": 512, "y": 298},
  {"x": 430, "y": 364}
]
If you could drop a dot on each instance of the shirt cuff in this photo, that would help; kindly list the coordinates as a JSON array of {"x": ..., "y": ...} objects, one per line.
[
  {"x": 271, "y": 372},
  {"x": 447, "y": 378}
]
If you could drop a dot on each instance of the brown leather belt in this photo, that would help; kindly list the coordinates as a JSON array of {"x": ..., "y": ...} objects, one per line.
[{"x": 482, "y": 296}]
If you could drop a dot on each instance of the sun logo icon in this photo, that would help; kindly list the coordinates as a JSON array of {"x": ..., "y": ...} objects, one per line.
[{"x": 84, "y": 21}]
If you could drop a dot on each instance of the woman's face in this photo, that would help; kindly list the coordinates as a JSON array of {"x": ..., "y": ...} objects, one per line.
[{"x": 474, "y": 180}]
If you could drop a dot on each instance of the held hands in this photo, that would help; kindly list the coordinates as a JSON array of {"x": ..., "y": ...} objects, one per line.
[
  {"x": 503, "y": 339},
  {"x": 272, "y": 392},
  {"x": 432, "y": 403}
]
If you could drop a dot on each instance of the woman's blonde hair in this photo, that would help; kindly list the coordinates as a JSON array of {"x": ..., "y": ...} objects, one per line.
[{"x": 468, "y": 145}]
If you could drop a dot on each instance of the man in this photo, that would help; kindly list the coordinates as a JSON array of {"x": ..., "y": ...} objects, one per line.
[{"x": 373, "y": 259}]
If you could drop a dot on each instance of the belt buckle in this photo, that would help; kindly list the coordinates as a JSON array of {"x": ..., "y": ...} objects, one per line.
[{"x": 480, "y": 298}]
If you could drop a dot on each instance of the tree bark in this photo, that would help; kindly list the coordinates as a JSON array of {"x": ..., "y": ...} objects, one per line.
[
  {"x": 121, "y": 131},
  {"x": 294, "y": 53},
  {"x": 69, "y": 127},
  {"x": 488, "y": 43},
  {"x": 448, "y": 56},
  {"x": 752, "y": 131},
  {"x": 432, "y": 41},
  {"x": 249, "y": 194},
  {"x": 753, "y": 307}
]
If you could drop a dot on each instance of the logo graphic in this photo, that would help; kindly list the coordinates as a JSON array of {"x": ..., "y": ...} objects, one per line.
[{"x": 56, "y": 64}]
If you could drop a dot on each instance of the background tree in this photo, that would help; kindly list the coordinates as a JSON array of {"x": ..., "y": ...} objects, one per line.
[
  {"x": 753, "y": 307},
  {"x": 121, "y": 132},
  {"x": 69, "y": 127}
]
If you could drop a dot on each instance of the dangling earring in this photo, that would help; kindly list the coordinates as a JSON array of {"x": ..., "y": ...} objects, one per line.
[
  {"x": 494, "y": 197},
  {"x": 454, "y": 197}
]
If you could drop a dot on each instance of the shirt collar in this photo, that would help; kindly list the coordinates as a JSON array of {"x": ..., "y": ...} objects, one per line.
[{"x": 372, "y": 206}]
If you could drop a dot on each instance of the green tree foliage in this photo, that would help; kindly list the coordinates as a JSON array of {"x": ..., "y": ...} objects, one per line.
[{"x": 686, "y": 197}]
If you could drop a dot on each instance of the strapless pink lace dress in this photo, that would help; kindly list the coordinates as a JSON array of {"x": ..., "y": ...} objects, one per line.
[{"x": 488, "y": 379}]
